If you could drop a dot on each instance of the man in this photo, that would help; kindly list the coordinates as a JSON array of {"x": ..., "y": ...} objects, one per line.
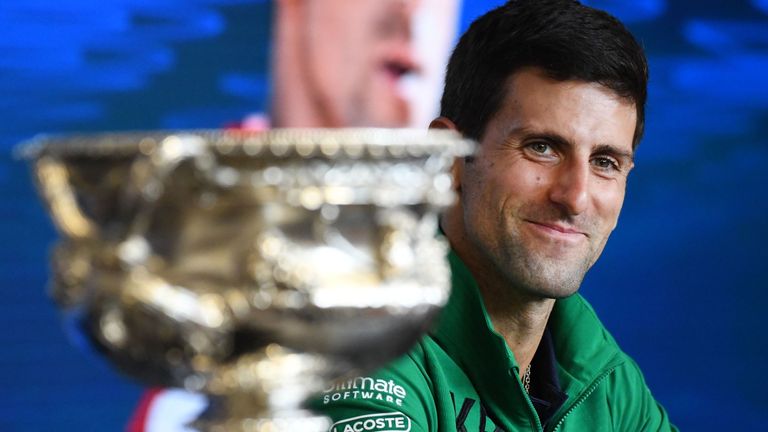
[{"x": 554, "y": 93}]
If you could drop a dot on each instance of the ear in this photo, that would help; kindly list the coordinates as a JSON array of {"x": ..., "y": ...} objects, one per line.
[
  {"x": 457, "y": 169},
  {"x": 457, "y": 174},
  {"x": 443, "y": 123}
]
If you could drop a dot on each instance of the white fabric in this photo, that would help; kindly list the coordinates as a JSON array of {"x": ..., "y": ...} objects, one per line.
[{"x": 172, "y": 410}]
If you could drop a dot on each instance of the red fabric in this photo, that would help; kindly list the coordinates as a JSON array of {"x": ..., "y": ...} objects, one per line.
[
  {"x": 252, "y": 123},
  {"x": 139, "y": 419}
]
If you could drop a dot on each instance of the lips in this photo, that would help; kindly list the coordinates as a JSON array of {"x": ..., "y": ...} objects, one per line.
[
  {"x": 397, "y": 60},
  {"x": 396, "y": 69},
  {"x": 558, "y": 230}
]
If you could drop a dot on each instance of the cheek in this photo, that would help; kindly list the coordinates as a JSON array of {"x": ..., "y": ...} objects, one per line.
[
  {"x": 608, "y": 203},
  {"x": 524, "y": 183},
  {"x": 478, "y": 195},
  {"x": 499, "y": 185}
]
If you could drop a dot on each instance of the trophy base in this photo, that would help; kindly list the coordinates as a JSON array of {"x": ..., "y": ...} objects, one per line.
[{"x": 293, "y": 421}]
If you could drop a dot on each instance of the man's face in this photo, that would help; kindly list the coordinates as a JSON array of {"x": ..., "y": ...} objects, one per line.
[
  {"x": 358, "y": 53},
  {"x": 547, "y": 183}
]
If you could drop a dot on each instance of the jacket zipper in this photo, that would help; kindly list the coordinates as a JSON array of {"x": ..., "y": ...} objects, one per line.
[
  {"x": 527, "y": 398},
  {"x": 584, "y": 396}
]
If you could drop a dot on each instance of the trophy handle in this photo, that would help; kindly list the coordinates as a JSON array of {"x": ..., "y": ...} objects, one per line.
[
  {"x": 147, "y": 186},
  {"x": 54, "y": 180}
]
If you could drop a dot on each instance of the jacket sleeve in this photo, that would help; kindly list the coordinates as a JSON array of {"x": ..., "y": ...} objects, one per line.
[
  {"x": 633, "y": 405},
  {"x": 394, "y": 398}
]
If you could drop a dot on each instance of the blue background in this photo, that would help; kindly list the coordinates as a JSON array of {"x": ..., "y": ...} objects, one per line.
[{"x": 680, "y": 284}]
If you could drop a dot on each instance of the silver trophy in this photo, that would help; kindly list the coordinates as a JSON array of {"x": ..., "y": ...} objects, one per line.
[{"x": 256, "y": 268}]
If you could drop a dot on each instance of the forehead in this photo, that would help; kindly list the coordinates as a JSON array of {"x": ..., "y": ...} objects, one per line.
[{"x": 580, "y": 112}]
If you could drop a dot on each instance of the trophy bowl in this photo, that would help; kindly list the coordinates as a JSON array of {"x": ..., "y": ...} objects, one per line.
[{"x": 255, "y": 267}]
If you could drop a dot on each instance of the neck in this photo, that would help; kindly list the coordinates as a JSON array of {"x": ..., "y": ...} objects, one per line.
[{"x": 519, "y": 317}]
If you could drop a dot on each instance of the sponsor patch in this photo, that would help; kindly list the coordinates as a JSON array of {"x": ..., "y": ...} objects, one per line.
[
  {"x": 366, "y": 388},
  {"x": 386, "y": 422}
]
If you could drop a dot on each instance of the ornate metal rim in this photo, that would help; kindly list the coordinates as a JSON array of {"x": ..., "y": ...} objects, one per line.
[{"x": 355, "y": 143}]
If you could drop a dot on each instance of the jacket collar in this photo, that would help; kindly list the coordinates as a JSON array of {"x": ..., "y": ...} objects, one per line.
[{"x": 583, "y": 347}]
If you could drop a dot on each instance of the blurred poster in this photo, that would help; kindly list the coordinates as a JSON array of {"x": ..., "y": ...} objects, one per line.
[{"x": 342, "y": 63}]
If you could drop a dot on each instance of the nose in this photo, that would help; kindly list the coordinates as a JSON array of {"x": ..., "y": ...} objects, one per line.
[{"x": 570, "y": 188}]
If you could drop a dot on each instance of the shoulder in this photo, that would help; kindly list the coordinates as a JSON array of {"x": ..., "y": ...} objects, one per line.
[
  {"x": 588, "y": 351},
  {"x": 398, "y": 396},
  {"x": 631, "y": 396}
]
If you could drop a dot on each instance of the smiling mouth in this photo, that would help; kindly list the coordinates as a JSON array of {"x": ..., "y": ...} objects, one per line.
[{"x": 557, "y": 230}]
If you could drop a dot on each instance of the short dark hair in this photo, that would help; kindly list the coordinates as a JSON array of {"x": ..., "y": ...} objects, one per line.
[{"x": 565, "y": 39}]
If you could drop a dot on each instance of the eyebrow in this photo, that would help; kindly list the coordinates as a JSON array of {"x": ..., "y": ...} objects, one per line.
[{"x": 558, "y": 139}]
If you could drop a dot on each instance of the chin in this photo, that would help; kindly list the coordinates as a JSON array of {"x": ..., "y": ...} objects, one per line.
[
  {"x": 394, "y": 113},
  {"x": 549, "y": 283},
  {"x": 557, "y": 294}
]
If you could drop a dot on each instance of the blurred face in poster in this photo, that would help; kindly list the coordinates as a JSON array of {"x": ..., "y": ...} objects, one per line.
[{"x": 360, "y": 63}]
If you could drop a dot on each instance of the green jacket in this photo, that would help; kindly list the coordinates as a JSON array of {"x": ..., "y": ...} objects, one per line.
[{"x": 462, "y": 377}]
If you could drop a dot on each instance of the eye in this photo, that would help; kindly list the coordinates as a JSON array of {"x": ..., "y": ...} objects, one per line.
[
  {"x": 606, "y": 163},
  {"x": 540, "y": 147}
]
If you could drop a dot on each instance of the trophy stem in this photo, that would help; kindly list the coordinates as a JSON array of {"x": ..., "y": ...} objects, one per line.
[
  {"x": 265, "y": 392},
  {"x": 233, "y": 414}
]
